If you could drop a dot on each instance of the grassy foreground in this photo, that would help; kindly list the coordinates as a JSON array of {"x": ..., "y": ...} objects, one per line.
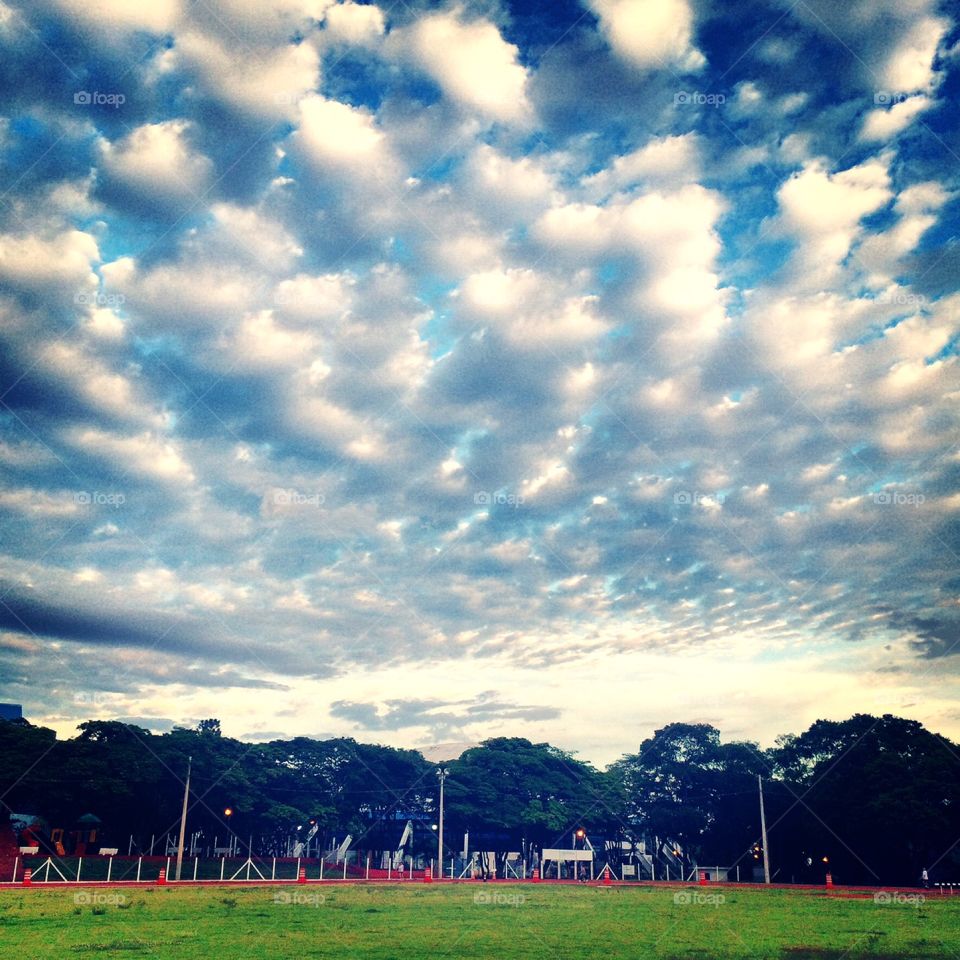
[{"x": 504, "y": 921}]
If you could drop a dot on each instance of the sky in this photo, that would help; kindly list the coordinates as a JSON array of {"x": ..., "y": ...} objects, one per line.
[{"x": 427, "y": 372}]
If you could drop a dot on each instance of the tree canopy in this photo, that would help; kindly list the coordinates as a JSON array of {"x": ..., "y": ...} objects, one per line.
[{"x": 874, "y": 799}]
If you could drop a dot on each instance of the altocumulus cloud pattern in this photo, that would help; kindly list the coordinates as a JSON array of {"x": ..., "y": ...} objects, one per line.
[{"x": 455, "y": 370}]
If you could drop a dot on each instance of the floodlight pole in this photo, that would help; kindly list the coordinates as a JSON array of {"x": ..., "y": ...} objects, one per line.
[
  {"x": 763, "y": 834},
  {"x": 442, "y": 773},
  {"x": 183, "y": 818}
]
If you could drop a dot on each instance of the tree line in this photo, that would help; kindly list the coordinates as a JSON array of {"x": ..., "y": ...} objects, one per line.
[{"x": 869, "y": 799}]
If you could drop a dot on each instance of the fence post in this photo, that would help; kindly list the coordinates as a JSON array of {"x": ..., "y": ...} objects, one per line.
[
  {"x": 16, "y": 863},
  {"x": 168, "y": 866},
  {"x": 109, "y": 868},
  {"x": 79, "y": 865},
  {"x": 223, "y": 862},
  {"x": 273, "y": 869},
  {"x": 196, "y": 860},
  {"x": 139, "y": 864},
  {"x": 321, "y": 868}
]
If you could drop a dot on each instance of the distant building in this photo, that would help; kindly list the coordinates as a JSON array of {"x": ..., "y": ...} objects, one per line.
[{"x": 11, "y": 711}]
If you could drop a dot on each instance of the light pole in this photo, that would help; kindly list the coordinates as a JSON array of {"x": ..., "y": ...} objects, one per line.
[
  {"x": 183, "y": 818},
  {"x": 442, "y": 774},
  {"x": 763, "y": 834},
  {"x": 228, "y": 813}
]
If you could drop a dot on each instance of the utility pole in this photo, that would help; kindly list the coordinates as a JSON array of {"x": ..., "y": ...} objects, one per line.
[
  {"x": 442, "y": 773},
  {"x": 763, "y": 834},
  {"x": 183, "y": 818}
]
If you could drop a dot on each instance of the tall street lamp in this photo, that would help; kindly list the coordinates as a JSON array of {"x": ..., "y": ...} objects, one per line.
[{"x": 442, "y": 774}]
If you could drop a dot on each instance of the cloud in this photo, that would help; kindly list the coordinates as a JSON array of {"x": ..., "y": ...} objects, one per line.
[
  {"x": 443, "y": 349},
  {"x": 267, "y": 82},
  {"x": 342, "y": 139},
  {"x": 156, "y": 163},
  {"x": 936, "y": 638},
  {"x": 910, "y": 64},
  {"x": 116, "y": 18},
  {"x": 471, "y": 62},
  {"x": 58, "y": 265},
  {"x": 439, "y": 717},
  {"x": 354, "y": 23},
  {"x": 650, "y": 34},
  {"x": 884, "y": 124},
  {"x": 662, "y": 161},
  {"x": 145, "y": 454},
  {"x": 823, "y": 211}
]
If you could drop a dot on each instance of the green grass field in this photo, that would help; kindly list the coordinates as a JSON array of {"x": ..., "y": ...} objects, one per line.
[{"x": 504, "y": 921}]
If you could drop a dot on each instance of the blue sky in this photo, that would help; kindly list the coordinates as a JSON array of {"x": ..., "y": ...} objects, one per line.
[{"x": 426, "y": 372}]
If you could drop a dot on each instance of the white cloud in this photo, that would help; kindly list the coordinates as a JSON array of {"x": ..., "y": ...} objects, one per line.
[
  {"x": 519, "y": 184},
  {"x": 823, "y": 210},
  {"x": 883, "y": 124},
  {"x": 673, "y": 240},
  {"x": 145, "y": 454},
  {"x": 530, "y": 310},
  {"x": 238, "y": 234},
  {"x": 39, "y": 503},
  {"x": 315, "y": 297},
  {"x": 880, "y": 253},
  {"x": 355, "y": 23},
  {"x": 266, "y": 82},
  {"x": 156, "y": 160},
  {"x": 63, "y": 261},
  {"x": 470, "y": 61},
  {"x": 344, "y": 139},
  {"x": 258, "y": 23},
  {"x": 260, "y": 343},
  {"x": 193, "y": 294},
  {"x": 650, "y": 34},
  {"x": 117, "y": 17},
  {"x": 92, "y": 380},
  {"x": 663, "y": 161},
  {"x": 105, "y": 325},
  {"x": 910, "y": 65}
]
